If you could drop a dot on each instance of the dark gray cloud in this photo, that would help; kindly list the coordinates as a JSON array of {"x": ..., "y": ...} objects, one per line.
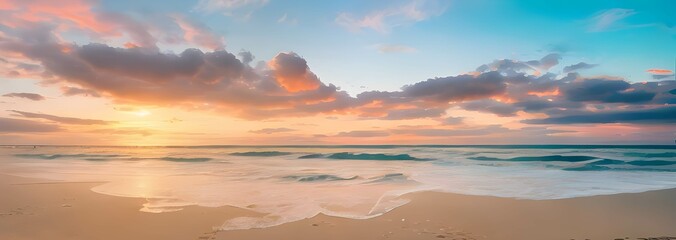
[
  {"x": 542, "y": 105},
  {"x": 73, "y": 91},
  {"x": 246, "y": 56},
  {"x": 458, "y": 88},
  {"x": 140, "y": 64},
  {"x": 662, "y": 76},
  {"x": 603, "y": 90},
  {"x": 272, "y": 130},
  {"x": 453, "y": 120},
  {"x": 65, "y": 120},
  {"x": 414, "y": 113},
  {"x": 11, "y": 125},
  {"x": 31, "y": 96},
  {"x": 511, "y": 67},
  {"x": 578, "y": 66},
  {"x": 662, "y": 115},
  {"x": 491, "y": 106}
]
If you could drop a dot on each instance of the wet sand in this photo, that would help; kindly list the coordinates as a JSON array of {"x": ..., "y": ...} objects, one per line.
[{"x": 35, "y": 209}]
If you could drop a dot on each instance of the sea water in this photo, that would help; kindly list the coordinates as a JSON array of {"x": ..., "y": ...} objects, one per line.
[{"x": 290, "y": 183}]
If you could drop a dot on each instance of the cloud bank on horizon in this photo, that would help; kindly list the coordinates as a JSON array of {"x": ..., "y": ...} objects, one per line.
[{"x": 82, "y": 50}]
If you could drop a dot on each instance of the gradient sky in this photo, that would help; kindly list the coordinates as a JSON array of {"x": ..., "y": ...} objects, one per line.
[{"x": 337, "y": 72}]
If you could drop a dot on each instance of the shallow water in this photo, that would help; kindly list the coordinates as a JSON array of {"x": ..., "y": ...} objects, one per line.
[{"x": 290, "y": 183}]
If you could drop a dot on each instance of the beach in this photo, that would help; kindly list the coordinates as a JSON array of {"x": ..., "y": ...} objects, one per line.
[
  {"x": 39, "y": 209},
  {"x": 337, "y": 120}
]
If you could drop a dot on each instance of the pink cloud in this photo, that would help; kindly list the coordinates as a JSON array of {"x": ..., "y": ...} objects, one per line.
[{"x": 659, "y": 71}]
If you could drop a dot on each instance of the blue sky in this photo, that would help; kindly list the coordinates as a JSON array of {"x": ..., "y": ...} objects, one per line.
[{"x": 456, "y": 37}]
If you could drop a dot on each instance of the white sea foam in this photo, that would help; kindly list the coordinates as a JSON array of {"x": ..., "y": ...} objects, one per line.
[{"x": 284, "y": 188}]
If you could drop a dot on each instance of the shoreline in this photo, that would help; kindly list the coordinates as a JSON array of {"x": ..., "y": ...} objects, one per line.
[{"x": 71, "y": 210}]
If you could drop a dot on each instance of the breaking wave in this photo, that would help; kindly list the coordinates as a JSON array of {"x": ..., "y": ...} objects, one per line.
[
  {"x": 317, "y": 178},
  {"x": 550, "y": 158},
  {"x": 260, "y": 154},
  {"x": 365, "y": 156}
]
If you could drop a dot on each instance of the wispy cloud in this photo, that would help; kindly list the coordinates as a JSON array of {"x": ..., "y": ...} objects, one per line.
[
  {"x": 614, "y": 19},
  {"x": 453, "y": 120},
  {"x": 31, "y": 96},
  {"x": 607, "y": 19},
  {"x": 578, "y": 66},
  {"x": 64, "y": 120},
  {"x": 384, "y": 20},
  {"x": 272, "y": 130},
  {"x": 664, "y": 115},
  {"x": 11, "y": 125},
  {"x": 86, "y": 18},
  {"x": 363, "y": 133},
  {"x": 285, "y": 19},
  {"x": 659, "y": 71},
  {"x": 125, "y": 131},
  {"x": 74, "y": 91}
]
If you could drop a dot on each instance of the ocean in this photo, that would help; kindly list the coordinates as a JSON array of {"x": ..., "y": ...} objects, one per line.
[{"x": 290, "y": 183}]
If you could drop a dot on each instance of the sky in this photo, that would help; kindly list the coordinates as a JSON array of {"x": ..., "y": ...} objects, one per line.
[{"x": 250, "y": 72}]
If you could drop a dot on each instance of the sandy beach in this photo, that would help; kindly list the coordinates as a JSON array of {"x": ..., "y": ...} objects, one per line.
[
  {"x": 337, "y": 120},
  {"x": 38, "y": 209}
]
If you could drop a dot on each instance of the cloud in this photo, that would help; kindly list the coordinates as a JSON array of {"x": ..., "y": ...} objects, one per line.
[
  {"x": 74, "y": 91},
  {"x": 603, "y": 90},
  {"x": 199, "y": 33},
  {"x": 285, "y": 86},
  {"x": 608, "y": 19},
  {"x": 272, "y": 130},
  {"x": 492, "y": 106},
  {"x": 578, "y": 66},
  {"x": 394, "y": 48},
  {"x": 125, "y": 131},
  {"x": 457, "y": 88},
  {"x": 363, "y": 134},
  {"x": 11, "y": 125},
  {"x": 285, "y": 19},
  {"x": 385, "y": 20},
  {"x": 660, "y": 77},
  {"x": 246, "y": 57},
  {"x": 64, "y": 120},
  {"x": 662, "y": 115},
  {"x": 658, "y": 71},
  {"x": 453, "y": 120},
  {"x": 414, "y": 113},
  {"x": 512, "y": 67},
  {"x": 85, "y": 18},
  {"x": 293, "y": 73},
  {"x": 31, "y": 96},
  {"x": 437, "y": 132},
  {"x": 189, "y": 78}
]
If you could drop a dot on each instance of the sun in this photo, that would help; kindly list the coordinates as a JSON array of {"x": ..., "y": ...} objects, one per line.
[{"x": 142, "y": 113}]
